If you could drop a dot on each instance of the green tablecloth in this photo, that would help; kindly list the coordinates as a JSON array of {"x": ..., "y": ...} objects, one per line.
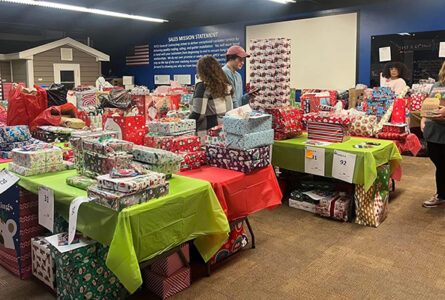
[
  {"x": 290, "y": 154},
  {"x": 190, "y": 211}
]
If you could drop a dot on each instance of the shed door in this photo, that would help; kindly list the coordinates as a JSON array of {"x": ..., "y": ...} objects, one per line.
[{"x": 67, "y": 74}]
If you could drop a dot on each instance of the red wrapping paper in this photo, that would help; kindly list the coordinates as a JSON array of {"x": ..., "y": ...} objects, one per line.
[
  {"x": 166, "y": 287},
  {"x": 174, "y": 143},
  {"x": 286, "y": 122},
  {"x": 398, "y": 112},
  {"x": 132, "y": 128},
  {"x": 171, "y": 264}
]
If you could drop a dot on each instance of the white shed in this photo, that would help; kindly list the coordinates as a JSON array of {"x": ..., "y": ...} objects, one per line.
[{"x": 64, "y": 61}]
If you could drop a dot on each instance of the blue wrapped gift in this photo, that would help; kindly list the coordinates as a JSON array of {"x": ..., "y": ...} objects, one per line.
[
  {"x": 247, "y": 125},
  {"x": 250, "y": 140},
  {"x": 10, "y": 134}
]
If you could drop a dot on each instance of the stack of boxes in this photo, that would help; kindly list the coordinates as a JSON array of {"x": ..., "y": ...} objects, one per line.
[
  {"x": 38, "y": 159},
  {"x": 247, "y": 144},
  {"x": 52, "y": 134},
  {"x": 168, "y": 276},
  {"x": 286, "y": 122},
  {"x": 380, "y": 101},
  {"x": 176, "y": 135},
  {"x": 394, "y": 131},
  {"x": 12, "y": 137},
  {"x": 157, "y": 160},
  {"x": 270, "y": 72},
  {"x": 328, "y": 127}
]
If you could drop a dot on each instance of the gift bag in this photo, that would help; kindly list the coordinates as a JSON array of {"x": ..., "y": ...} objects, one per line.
[
  {"x": 415, "y": 102},
  {"x": 54, "y": 115},
  {"x": 129, "y": 128},
  {"x": 236, "y": 241},
  {"x": 157, "y": 107},
  {"x": 398, "y": 111},
  {"x": 25, "y": 104},
  {"x": 56, "y": 94},
  {"x": 371, "y": 207}
]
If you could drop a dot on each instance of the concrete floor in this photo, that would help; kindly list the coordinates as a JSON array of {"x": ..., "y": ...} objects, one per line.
[{"x": 302, "y": 256}]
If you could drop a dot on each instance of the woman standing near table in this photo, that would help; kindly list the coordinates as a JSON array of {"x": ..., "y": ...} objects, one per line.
[
  {"x": 434, "y": 133},
  {"x": 212, "y": 97}
]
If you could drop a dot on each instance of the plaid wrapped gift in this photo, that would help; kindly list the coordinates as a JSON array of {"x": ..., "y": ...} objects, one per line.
[
  {"x": 336, "y": 206},
  {"x": 82, "y": 274},
  {"x": 43, "y": 266},
  {"x": 18, "y": 133},
  {"x": 166, "y": 287},
  {"x": 286, "y": 122},
  {"x": 105, "y": 146},
  {"x": 130, "y": 184},
  {"x": 173, "y": 143},
  {"x": 247, "y": 125},
  {"x": 171, "y": 264},
  {"x": 250, "y": 140},
  {"x": 118, "y": 201},
  {"x": 371, "y": 207},
  {"x": 192, "y": 160},
  {"x": 98, "y": 164},
  {"x": 171, "y": 125}
]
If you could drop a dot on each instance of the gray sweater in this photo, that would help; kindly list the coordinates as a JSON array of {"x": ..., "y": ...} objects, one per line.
[{"x": 434, "y": 131}]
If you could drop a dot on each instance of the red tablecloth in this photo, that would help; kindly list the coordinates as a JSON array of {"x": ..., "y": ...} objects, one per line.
[
  {"x": 5, "y": 160},
  {"x": 241, "y": 194},
  {"x": 411, "y": 144}
]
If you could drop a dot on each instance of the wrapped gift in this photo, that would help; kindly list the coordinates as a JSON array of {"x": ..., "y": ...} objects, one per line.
[
  {"x": 236, "y": 241},
  {"x": 171, "y": 125},
  {"x": 218, "y": 152},
  {"x": 51, "y": 134},
  {"x": 24, "y": 171},
  {"x": 334, "y": 206},
  {"x": 327, "y": 118},
  {"x": 192, "y": 160},
  {"x": 363, "y": 126},
  {"x": 154, "y": 156},
  {"x": 356, "y": 97},
  {"x": 129, "y": 128},
  {"x": 118, "y": 200},
  {"x": 250, "y": 140},
  {"x": 166, "y": 287},
  {"x": 169, "y": 265},
  {"x": 43, "y": 266},
  {"x": 247, "y": 125},
  {"x": 104, "y": 146},
  {"x": 395, "y": 128},
  {"x": 81, "y": 182},
  {"x": 286, "y": 122},
  {"x": 371, "y": 207},
  {"x": 173, "y": 143},
  {"x": 37, "y": 157},
  {"x": 392, "y": 136},
  {"x": 5, "y": 146},
  {"x": 82, "y": 274},
  {"x": 216, "y": 131},
  {"x": 246, "y": 166},
  {"x": 415, "y": 101},
  {"x": 18, "y": 133},
  {"x": 130, "y": 184},
  {"x": 303, "y": 205},
  {"x": 102, "y": 164},
  {"x": 215, "y": 140},
  {"x": 327, "y": 132},
  {"x": 167, "y": 167},
  {"x": 19, "y": 223},
  {"x": 398, "y": 111}
]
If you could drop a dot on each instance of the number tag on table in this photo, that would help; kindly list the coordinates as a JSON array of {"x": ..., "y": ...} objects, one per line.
[
  {"x": 46, "y": 207},
  {"x": 72, "y": 218},
  {"x": 7, "y": 180},
  {"x": 314, "y": 161},
  {"x": 343, "y": 165}
]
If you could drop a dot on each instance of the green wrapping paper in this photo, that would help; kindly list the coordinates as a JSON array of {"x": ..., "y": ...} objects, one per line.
[{"x": 81, "y": 182}]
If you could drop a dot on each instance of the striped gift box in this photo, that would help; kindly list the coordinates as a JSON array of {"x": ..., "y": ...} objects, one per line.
[
  {"x": 171, "y": 264},
  {"x": 327, "y": 132},
  {"x": 166, "y": 287}
]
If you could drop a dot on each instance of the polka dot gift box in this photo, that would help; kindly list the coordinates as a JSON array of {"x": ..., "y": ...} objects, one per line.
[{"x": 129, "y": 128}]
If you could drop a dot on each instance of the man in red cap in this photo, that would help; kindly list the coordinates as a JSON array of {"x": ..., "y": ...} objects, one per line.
[{"x": 235, "y": 57}]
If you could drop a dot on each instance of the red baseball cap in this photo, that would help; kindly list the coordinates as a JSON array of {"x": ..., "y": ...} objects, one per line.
[{"x": 238, "y": 51}]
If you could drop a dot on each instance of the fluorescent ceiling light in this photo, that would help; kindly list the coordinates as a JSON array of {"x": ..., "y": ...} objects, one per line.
[
  {"x": 85, "y": 10},
  {"x": 284, "y": 1}
]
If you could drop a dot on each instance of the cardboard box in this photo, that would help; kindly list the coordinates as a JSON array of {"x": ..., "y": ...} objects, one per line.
[
  {"x": 430, "y": 105},
  {"x": 356, "y": 96}
]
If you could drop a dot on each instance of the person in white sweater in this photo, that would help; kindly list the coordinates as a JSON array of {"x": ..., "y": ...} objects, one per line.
[{"x": 396, "y": 73}]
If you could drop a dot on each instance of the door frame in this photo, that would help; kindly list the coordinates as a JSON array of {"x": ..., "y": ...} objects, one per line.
[{"x": 67, "y": 67}]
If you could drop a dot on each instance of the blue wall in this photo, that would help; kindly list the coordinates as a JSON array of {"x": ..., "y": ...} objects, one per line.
[{"x": 375, "y": 19}]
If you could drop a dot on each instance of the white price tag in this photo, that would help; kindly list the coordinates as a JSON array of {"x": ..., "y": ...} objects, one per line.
[
  {"x": 314, "y": 160},
  {"x": 343, "y": 165},
  {"x": 46, "y": 207},
  {"x": 7, "y": 180},
  {"x": 72, "y": 221}
]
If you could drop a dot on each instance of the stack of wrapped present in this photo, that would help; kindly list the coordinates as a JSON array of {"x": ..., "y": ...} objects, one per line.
[
  {"x": 328, "y": 126},
  {"x": 101, "y": 156},
  {"x": 52, "y": 134},
  {"x": 270, "y": 72},
  {"x": 394, "y": 131},
  {"x": 247, "y": 144},
  {"x": 176, "y": 135},
  {"x": 316, "y": 100},
  {"x": 12, "y": 137},
  {"x": 378, "y": 103},
  {"x": 38, "y": 159},
  {"x": 286, "y": 122},
  {"x": 168, "y": 276},
  {"x": 157, "y": 160},
  {"x": 123, "y": 188}
]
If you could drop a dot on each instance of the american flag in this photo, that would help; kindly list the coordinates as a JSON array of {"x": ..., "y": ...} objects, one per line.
[{"x": 137, "y": 56}]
